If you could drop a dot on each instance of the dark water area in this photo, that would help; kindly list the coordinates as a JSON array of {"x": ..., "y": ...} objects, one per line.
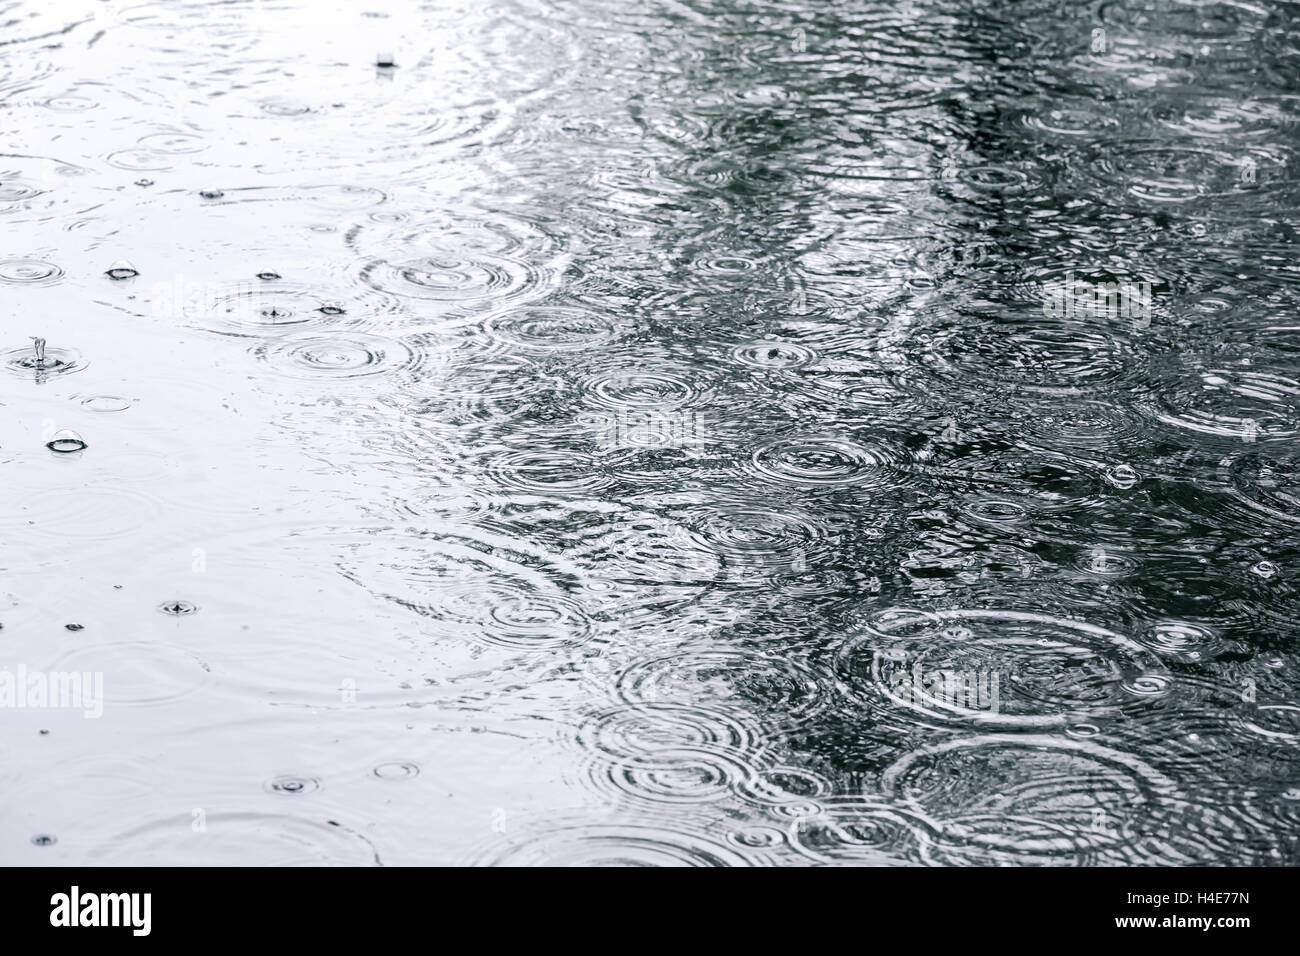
[{"x": 650, "y": 433}]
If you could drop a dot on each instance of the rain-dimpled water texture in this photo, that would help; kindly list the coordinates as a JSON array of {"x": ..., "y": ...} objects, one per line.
[{"x": 679, "y": 433}]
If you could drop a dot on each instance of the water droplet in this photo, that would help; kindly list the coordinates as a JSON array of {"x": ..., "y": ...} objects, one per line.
[
  {"x": 178, "y": 608},
  {"x": 44, "y": 839},
  {"x": 211, "y": 193},
  {"x": 121, "y": 269},
  {"x": 65, "y": 441},
  {"x": 1265, "y": 569},
  {"x": 293, "y": 785},
  {"x": 385, "y": 61},
  {"x": 1122, "y": 476},
  {"x": 331, "y": 308},
  {"x": 75, "y": 627},
  {"x": 144, "y": 182},
  {"x": 268, "y": 276}
]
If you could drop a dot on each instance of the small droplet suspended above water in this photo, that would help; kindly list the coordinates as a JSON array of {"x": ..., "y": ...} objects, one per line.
[
  {"x": 39, "y": 345},
  {"x": 121, "y": 269},
  {"x": 66, "y": 441}
]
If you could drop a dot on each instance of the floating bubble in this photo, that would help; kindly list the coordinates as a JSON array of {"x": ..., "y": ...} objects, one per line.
[
  {"x": 65, "y": 441},
  {"x": 121, "y": 269}
]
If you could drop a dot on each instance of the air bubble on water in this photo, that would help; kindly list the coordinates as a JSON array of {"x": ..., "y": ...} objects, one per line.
[
  {"x": 331, "y": 308},
  {"x": 75, "y": 627},
  {"x": 144, "y": 182},
  {"x": 268, "y": 276},
  {"x": 121, "y": 269},
  {"x": 178, "y": 608},
  {"x": 211, "y": 193},
  {"x": 1265, "y": 569},
  {"x": 1122, "y": 476},
  {"x": 44, "y": 839},
  {"x": 65, "y": 440}
]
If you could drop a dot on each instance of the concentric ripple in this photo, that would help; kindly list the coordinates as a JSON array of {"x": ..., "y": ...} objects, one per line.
[
  {"x": 997, "y": 669},
  {"x": 595, "y": 843},
  {"x": 342, "y": 356},
  {"x": 29, "y": 272},
  {"x": 1028, "y": 797},
  {"x": 553, "y": 328},
  {"x": 816, "y": 460}
]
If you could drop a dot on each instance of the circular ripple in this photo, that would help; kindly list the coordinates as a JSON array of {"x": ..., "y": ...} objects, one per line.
[
  {"x": 292, "y": 785},
  {"x": 649, "y": 389},
  {"x": 139, "y": 672},
  {"x": 454, "y": 279},
  {"x": 774, "y": 354},
  {"x": 474, "y": 590},
  {"x": 340, "y": 356},
  {"x": 822, "y": 461},
  {"x": 396, "y": 771},
  {"x": 996, "y": 668},
  {"x": 1027, "y": 796},
  {"x": 56, "y": 362},
  {"x": 29, "y": 272},
  {"x": 553, "y": 328},
  {"x": 239, "y": 839},
  {"x": 860, "y": 831},
  {"x": 774, "y": 686},
  {"x": 550, "y": 472},
  {"x": 761, "y": 539},
  {"x": 592, "y": 844},
  {"x": 105, "y": 403}
]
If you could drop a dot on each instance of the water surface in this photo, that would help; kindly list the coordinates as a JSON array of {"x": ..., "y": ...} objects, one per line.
[{"x": 673, "y": 432}]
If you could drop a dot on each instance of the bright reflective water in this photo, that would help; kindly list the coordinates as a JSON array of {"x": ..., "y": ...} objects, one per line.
[{"x": 671, "y": 432}]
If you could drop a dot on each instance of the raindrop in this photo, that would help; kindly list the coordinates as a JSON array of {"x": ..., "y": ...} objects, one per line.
[
  {"x": 385, "y": 61},
  {"x": 1122, "y": 476},
  {"x": 331, "y": 308},
  {"x": 75, "y": 627},
  {"x": 44, "y": 839},
  {"x": 65, "y": 441},
  {"x": 293, "y": 785},
  {"x": 121, "y": 269},
  {"x": 178, "y": 608},
  {"x": 211, "y": 193},
  {"x": 1265, "y": 569},
  {"x": 144, "y": 182},
  {"x": 38, "y": 345},
  {"x": 268, "y": 276}
]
